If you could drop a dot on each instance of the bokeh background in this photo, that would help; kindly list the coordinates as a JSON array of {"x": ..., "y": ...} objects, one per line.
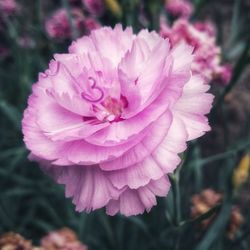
[{"x": 209, "y": 204}]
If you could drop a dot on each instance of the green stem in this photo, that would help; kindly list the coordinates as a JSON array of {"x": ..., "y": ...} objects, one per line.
[
  {"x": 221, "y": 156},
  {"x": 174, "y": 178}
]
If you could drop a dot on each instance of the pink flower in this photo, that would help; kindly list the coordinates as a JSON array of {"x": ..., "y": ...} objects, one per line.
[
  {"x": 9, "y": 7},
  {"x": 109, "y": 118},
  {"x": 224, "y": 74},
  {"x": 58, "y": 25},
  {"x": 95, "y": 7},
  {"x": 90, "y": 24},
  {"x": 63, "y": 239},
  {"x": 201, "y": 36},
  {"x": 182, "y": 8}
]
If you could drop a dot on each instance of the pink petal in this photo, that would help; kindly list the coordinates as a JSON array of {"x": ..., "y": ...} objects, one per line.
[
  {"x": 137, "y": 175},
  {"x": 166, "y": 155},
  {"x": 35, "y": 141},
  {"x": 136, "y": 201},
  {"x": 151, "y": 38},
  {"x": 88, "y": 186},
  {"x": 84, "y": 153},
  {"x": 192, "y": 106},
  {"x": 144, "y": 148},
  {"x": 82, "y": 45},
  {"x": 112, "y": 44},
  {"x": 129, "y": 129}
]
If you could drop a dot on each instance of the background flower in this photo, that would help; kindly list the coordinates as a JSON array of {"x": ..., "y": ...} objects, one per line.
[
  {"x": 207, "y": 55},
  {"x": 9, "y": 7},
  {"x": 182, "y": 8},
  {"x": 95, "y": 7}
]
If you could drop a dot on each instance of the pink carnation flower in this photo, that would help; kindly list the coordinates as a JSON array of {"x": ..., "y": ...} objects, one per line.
[
  {"x": 207, "y": 55},
  {"x": 9, "y": 7},
  {"x": 58, "y": 25},
  {"x": 109, "y": 118},
  {"x": 95, "y": 7},
  {"x": 182, "y": 8},
  {"x": 90, "y": 24}
]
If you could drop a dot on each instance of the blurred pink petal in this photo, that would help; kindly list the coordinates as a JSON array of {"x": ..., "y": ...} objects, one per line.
[
  {"x": 95, "y": 7},
  {"x": 9, "y": 7},
  {"x": 179, "y": 8},
  {"x": 58, "y": 25},
  {"x": 202, "y": 37}
]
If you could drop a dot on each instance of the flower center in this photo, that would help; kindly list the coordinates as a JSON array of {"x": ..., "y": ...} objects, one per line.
[{"x": 110, "y": 109}]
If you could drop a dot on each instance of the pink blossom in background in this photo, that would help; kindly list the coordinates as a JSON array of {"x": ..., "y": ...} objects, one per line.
[
  {"x": 179, "y": 8},
  {"x": 58, "y": 25},
  {"x": 90, "y": 24},
  {"x": 63, "y": 239},
  {"x": 224, "y": 74},
  {"x": 109, "y": 118},
  {"x": 202, "y": 37},
  {"x": 8, "y": 7},
  {"x": 95, "y": 7}
]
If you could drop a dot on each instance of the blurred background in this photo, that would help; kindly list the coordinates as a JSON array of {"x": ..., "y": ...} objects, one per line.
[{"x": 211, "y": 202}]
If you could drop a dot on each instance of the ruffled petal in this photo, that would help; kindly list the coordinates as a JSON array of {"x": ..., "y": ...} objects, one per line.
[
  {"x": 144, "y": 148},
  {"x": 83, "y": 153},
  {"x": 112, "y": 43},
  {"x": 192, "y": 106},
  {"x": 34, "y": 139},
  {"x": 88, "y": 186},
  {"x": 58, "y": 123},
  {"x": 82, "y": 45},
  {"x": 136, "y": 201},
  {"x": 166, "y": 155},
  {"x": 125, "y": 130},
  {"x": 151, "y": 38},
  {"x": 137, "y": 175},
  {"x": 140, "y": 71},
  {"x": 164, "y": 159},
  {"x": 62, "y": 77}
]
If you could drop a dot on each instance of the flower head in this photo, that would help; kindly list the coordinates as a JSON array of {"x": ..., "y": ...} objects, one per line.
[
  {"x": 8, "y": 7},
  {"x": 90, "y": 24},
  {"x": 207, "y": 55},
  {"x": 208, "y": 199},
  {"x": 109, "y": 118},
  {"x": 58, "y": 25},
  {"x": 12, "y": 241},
  {"x": 179, "y": 8},
  {"x": 63, "y": 239},
  {"x": 95, "y": 7}
]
